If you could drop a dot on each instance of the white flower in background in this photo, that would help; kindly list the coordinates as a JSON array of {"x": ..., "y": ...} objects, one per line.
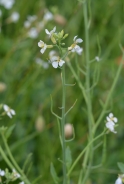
[
  {"x": 27, "y": 24},
  {"x": 7, "y": 3},
  {"x": 97, "y": 58},
  {"x": 29, "y": 20},
  {"x": 2, "y": 173},
  {"x": 22, "y": 182},
  {"x": 42, "y": 45},
  {"x": 0, "y": 13},
  {"x": 9, "y": 112},
  {"x": 48, "y": 16},
  {"x": 42, "y": 63},
  {"x": 119, "y": 181},
  {"x": 50, "y": 32},
  {"x": 57, "y": 61},
  {"x": 14, "y": 16},
  {"x": 111, "y": 117},
  {"x": 33, "y": 33},
  {"x": 76, "y": 48},
  {"x": 110, "y": 124},
  {"x": 16, "y": 175},
  {"x": 52, "y": 53}
]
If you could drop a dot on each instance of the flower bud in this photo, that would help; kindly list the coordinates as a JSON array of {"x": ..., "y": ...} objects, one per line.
[
  {"x": 65, "y": 36},
  {"x": 68, "y": 129},
  {"x": 53, "y": 39},
  {"x": 39, "y": 124}
]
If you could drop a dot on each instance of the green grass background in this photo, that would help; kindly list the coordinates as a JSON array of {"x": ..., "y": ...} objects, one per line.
[{"x": 29, "y": 85}]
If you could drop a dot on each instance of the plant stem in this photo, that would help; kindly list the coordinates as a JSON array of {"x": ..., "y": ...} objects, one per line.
[
  {"x": 62, "y": 126},
  {"x": 13, "y": 160},
  {"x": 89, "y": 152}
]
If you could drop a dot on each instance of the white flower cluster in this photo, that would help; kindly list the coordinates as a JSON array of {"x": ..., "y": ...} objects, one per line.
[
  {"x": 34, "y": 27},
  {"x": 55, "y": 60},
  {"x": 110, "y": 124}
]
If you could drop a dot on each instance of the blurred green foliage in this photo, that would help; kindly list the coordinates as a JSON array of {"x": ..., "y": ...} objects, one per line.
[{"x": 29, "y": 85}]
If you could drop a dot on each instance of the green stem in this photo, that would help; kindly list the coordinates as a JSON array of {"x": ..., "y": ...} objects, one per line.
[
  {"x": 84, "y": 150},
  {"x": 88, "y": 155},
  {"x": 13, "y": 161},
  {"x": 110, "y": 94},
  {"x": 63, "y": 125}
]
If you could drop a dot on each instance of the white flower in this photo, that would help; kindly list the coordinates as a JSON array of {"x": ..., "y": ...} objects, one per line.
[
  {"x": 42, "y": 63},
  {"x": 110, "y": 117},
  {"x": 42, "y": 45},
  {"x": 16, "y": 175},
  {"x": 50, "y": 32},
  {"x": 110, "y": 124},
  {"x": 8, "y": 111},
  {"x": 76, "y": 48},
  {"x": 15, "y": 16},
  {"x": 57, "y": 61},
  {"x": 29, "y": 20},
  {"x": 48, "y": 16},
  {"x": 97, "y": 58},
  {"x": 7, "y": 3},
  {"x": 2, "y": 173},
  {"x": 119, "y": 181},
  {"x": 33, "y": 33},
  {"x": 22, "y": 182}
]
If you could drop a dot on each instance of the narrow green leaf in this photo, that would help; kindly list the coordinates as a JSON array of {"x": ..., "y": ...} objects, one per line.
[
  {"x": 54, "y": 174},
  {"x": 68, "y": 157},
  {"x": 121, "y": 166},
  {"x": 9, "y": 131}
]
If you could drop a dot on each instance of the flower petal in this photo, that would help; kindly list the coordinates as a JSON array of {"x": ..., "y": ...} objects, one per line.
[
  {"x": 74, "y": 38},
  {"x": 6, "y": 108},
  {"x": 55, "y": 64},
  {"x": 79, "y": 40},
  {"x": 47, "y": 32},
  {"x": 61, "y": 62},
  {"x": 111, "y": 115},
  {"x": 118, "y": 181}
]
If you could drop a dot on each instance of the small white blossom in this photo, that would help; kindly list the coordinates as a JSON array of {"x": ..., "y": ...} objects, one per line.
[
  {"x": 48, "y": 16},
  {"x": 16, "y": 175},
  {"x": 33, "y": 33},
  {"x": 97, "y": 58},
  {"x": 119, "y": 181},
  {"x": 57, "y": 61},
  {"x": 42, "y": 45},
  {"x": 110, "y": 117},
  {"x": 22, "y": 182},
  {"x": 110, "y": 124},
  {"x": 50, "y": 32},
  {"x": 2, "y": 173},
  {"x": 8, "y": 111},
  {"x": 29, "y": 20},
  {"x": 52, "y": 53},
  {"x": 42, "y": 63},
  {"x": 76, "y": 48},
  {"x": 7, "y": 3},
  {"x": 15, "y": 16}
]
